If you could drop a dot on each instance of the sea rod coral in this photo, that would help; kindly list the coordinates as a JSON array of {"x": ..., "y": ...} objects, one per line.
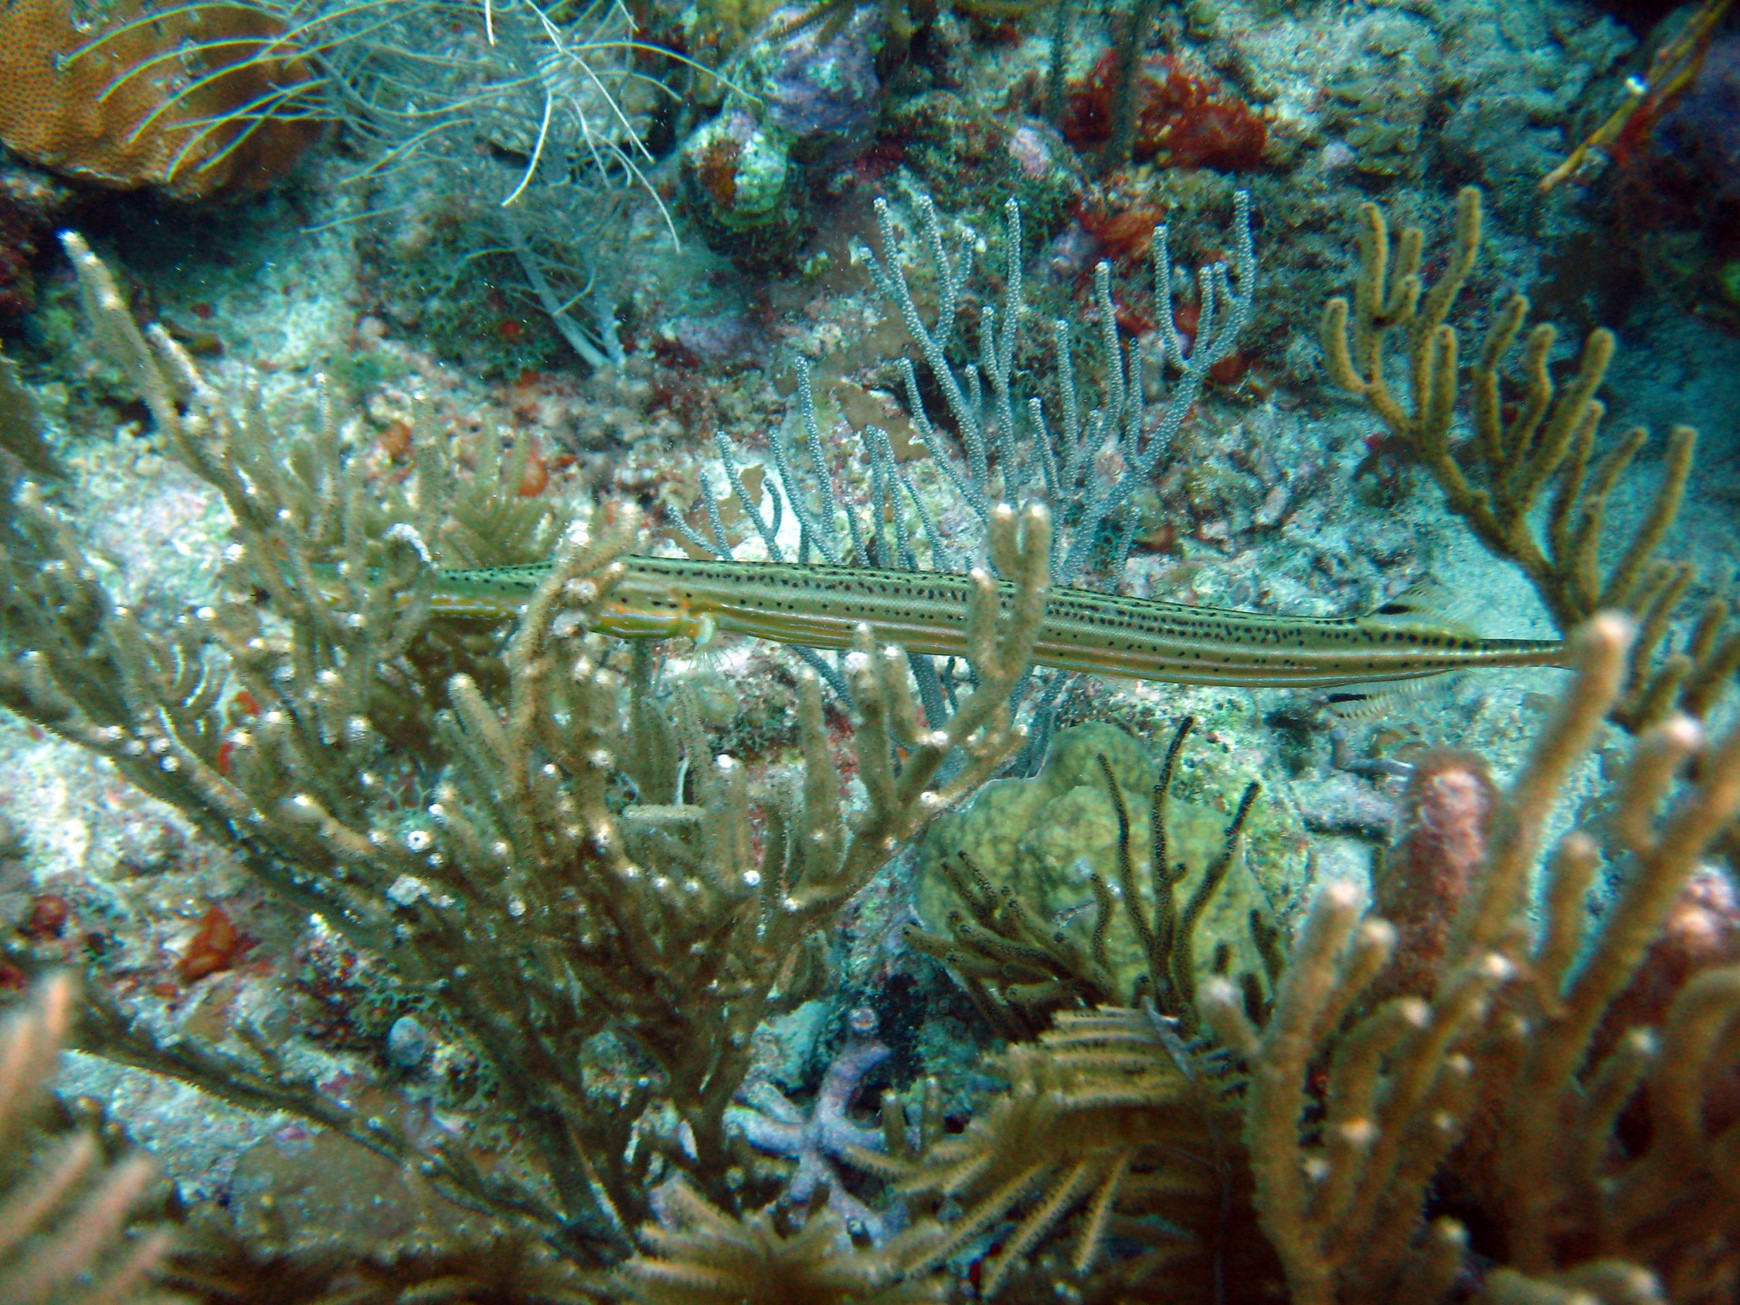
[
  {"x": 1532, "y": 450},
  {"x": 1480, "y": 1123},
  {"x": 580, "y": 863},
  {"x": 63, "y": 1208},
  {"x": 1575, "y": 1169}
]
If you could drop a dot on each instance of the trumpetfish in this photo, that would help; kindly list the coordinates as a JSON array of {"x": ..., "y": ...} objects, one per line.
[{"x": 821, "y": 606}]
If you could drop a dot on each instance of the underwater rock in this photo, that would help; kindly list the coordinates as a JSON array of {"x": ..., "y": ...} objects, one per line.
[
  {"x": 739, "y": 175},
  {"x": 1383, "y": 94},
  {"x": 408, "y": 1043},
  {"x": 818, "y": 85},
  {"x": 800, "y": 99},
  {"x": 31, "y": 203}
]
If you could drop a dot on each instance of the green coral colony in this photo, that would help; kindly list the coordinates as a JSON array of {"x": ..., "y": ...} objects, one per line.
[{"x": 768, "y": 807}]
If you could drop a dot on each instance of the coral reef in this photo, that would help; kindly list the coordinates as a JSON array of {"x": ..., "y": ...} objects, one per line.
[
  {"x": 1109, "y": 1120},
  {"x": 1698, "y": 131},
  {"x": 1343, "y": 1118},
  {"x": 1051, "y": 451},
  {"x": 464, "y": 952},
  {"x": 1486, "y": 1082},
  {"x": 1675, "y": 198},
  {"x": 21, "y": 428},
  {"x": 505, "y": 156},
  {"x": 1674, "y": 67},
  {"x": 1384, "y": 91},
  {"x": 528, "y": 904},
  {"x": 955, "y": 146}
]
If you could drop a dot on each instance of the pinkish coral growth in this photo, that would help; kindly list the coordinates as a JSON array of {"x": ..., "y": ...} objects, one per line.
[
  {"x": 1448, "y": 822},
  {"x": 1702, "y": 932}
]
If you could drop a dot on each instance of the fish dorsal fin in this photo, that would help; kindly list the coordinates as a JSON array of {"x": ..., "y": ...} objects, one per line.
[{"x": 1426, "y": 602}]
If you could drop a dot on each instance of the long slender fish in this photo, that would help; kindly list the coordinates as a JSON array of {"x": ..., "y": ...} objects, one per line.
[{"x": 926, "y": 612}]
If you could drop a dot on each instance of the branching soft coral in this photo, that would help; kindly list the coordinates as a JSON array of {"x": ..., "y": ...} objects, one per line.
[
  {"x": 524, "y": 901},
  {"x": 1537, "y": 449},
  {"x": 1110, "y": 1123},
  {"x": 1583, "y": 1153},
  {"x": 63, "y": 1211},
  {"x": 699, "y": 1255},
  {"x": 1564, "y": 1076}
]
